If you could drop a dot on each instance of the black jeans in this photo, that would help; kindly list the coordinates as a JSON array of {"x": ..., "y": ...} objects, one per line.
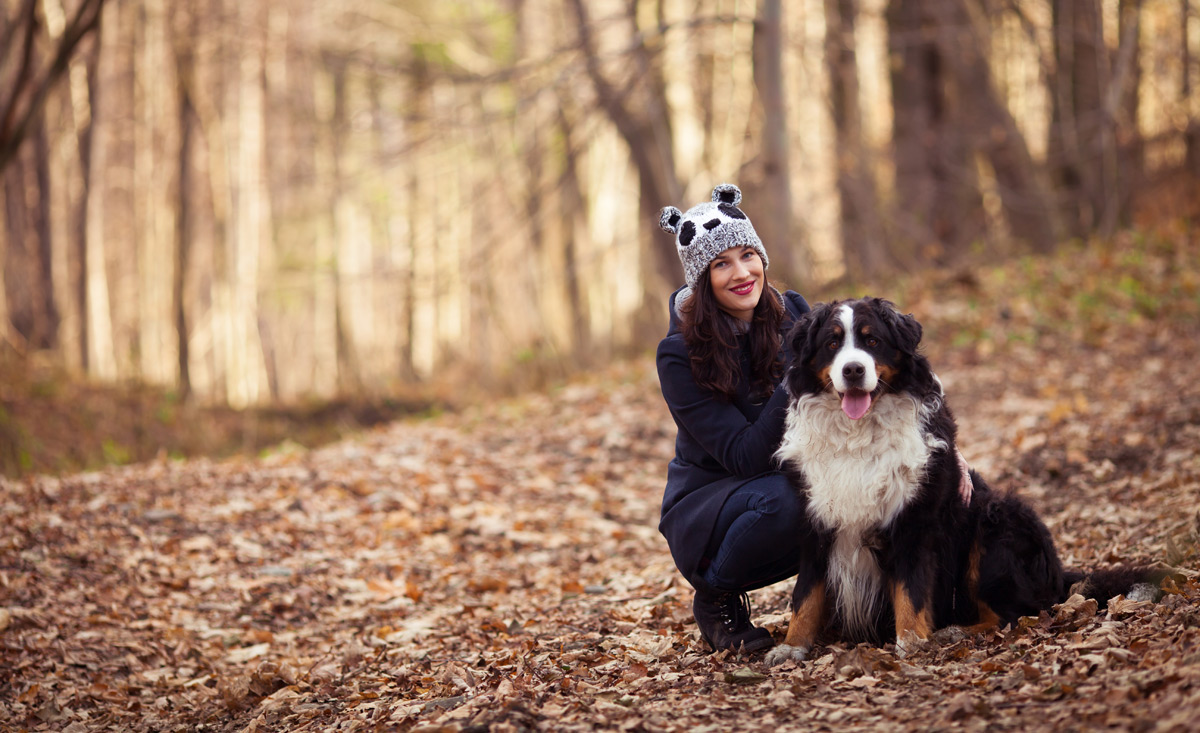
[{"x": 757, "y": 538}]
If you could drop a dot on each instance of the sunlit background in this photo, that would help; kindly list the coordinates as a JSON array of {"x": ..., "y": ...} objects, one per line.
[{"x": 255, "y": 202}]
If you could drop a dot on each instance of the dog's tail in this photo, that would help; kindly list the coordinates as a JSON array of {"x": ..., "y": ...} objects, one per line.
[{"x": 1132, "y": 581}]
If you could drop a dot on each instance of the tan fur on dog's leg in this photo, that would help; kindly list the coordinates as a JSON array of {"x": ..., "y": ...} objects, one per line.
[
  {"x": 913, "y": 627},
  {"x": 987, "y": 617},
  {"x": 807, "y": 620},
  {"x": 908, "y": 618}
]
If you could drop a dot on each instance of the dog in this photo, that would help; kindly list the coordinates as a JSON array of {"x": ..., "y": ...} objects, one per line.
[{"x": 896, "y": 550}]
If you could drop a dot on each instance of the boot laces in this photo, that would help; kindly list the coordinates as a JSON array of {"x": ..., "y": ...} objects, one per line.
[{"x": 735, "y": 611}]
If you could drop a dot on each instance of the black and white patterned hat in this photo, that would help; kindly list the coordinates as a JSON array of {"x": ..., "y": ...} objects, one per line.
[{"x": 708, "y": 229}]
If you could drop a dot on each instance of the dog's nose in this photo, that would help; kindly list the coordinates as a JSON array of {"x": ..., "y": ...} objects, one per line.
[{"x": 854, "y": 370}]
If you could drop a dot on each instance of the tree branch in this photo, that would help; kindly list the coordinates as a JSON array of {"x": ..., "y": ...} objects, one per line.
[
  {"x": 12, "y": 134},
  {"x": 27, "y": 20}
]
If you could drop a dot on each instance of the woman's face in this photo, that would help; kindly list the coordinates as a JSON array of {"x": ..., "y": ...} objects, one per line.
[{"x": 736, "y": 276}]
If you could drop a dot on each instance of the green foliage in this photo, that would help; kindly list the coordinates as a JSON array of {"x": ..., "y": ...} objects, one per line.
[
  {"x": 115, "y": 453},
  {"x": 431, "y": 53},
  {"x": 45, "y": 388},
  {"x": 1087, "y": 292},
  {"x": 14, "y": 455}
]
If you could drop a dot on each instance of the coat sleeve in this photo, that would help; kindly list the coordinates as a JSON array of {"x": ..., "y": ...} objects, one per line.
[{"x": 742, "y": 447}]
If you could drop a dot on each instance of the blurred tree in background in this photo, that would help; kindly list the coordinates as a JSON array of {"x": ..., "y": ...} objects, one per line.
[{"x": 252, "y": 201}]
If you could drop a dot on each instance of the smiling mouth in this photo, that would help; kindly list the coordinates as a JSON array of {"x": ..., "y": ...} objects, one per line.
[{"x": 744, "y": 289}]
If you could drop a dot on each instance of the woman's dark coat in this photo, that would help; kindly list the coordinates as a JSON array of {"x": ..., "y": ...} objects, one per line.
[{"x": 720, "y": 445}]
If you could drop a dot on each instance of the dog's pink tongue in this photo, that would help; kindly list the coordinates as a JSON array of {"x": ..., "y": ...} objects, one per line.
[{"x": 855, "y": 404}]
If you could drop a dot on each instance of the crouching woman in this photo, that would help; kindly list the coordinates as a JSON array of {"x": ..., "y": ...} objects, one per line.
[{"x": 732, "y": 521}]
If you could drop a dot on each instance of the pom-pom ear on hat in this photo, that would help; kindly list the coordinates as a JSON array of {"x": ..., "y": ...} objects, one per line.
[
  {"x": 669, "y": 219},
  {"x": 727, "y": 194}
]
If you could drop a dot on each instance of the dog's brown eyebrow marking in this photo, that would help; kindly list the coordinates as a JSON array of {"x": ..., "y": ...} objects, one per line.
[{"x": 866, "y": 329}]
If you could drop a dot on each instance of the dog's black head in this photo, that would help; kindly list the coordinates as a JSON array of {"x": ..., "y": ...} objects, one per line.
[{"x": 858, "y": 349}]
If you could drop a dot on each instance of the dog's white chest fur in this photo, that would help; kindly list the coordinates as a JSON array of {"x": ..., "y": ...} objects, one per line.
[{"x": 860, "y": 475}]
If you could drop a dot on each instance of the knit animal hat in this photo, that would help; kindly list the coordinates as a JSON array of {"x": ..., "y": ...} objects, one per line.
[{"x": 708, "y": 229}]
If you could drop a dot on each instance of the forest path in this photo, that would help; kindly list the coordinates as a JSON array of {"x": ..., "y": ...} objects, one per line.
[{"x": 501, "y": 568}]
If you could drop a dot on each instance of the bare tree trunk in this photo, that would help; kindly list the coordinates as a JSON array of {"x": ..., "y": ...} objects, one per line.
[
  {"x": 380, "y": 212},
  {"x": 1078, "y": 120},
  {"x": 7, "y": 332},
  {"x": 186, "y": 79},
  {"x": 183, "y": 243},
  {"x": 863, "y": 248},
  {"x": 532, "y": 156},
  {"x": 1124, "y": 149},
  {"x": 101, "y": 357},
  {"x": 1192, "y": 133},
  {"x": 81, "y": 113},
  {"x": 212, "y": 77},
  {"x": 574, "y": 216},
  {"x": 32, "y": 311},
  {"x": 249, "y": 221},
  {"x": 154, "y": 209},
  {"x": 963, "y": 36},
  {"x": 480, "y": 291},
  {"x": 19, "y": 318},
  {"x": 418, "y": 129},
  {"x": 938, "y": 208},
  {"x": 46, "y": 317},
  {"x": 639, "y": 112},
  {"x": 704, "y": 85},
  {"x": 772, "y": 201},
  {"x": 349, "y": 378}
]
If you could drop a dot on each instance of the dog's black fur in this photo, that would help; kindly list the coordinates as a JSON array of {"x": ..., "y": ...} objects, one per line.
[{"x": 942, "y": 561}]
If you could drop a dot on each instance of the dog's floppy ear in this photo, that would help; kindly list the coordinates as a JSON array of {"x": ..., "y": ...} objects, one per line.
[
  {"x": 803, "y": 340},
  {"x": 905, "y": 327},
  {"x": 807, "y": 330}
]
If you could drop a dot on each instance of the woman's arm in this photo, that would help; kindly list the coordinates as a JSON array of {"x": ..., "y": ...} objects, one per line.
[{"x": 742, "y": 447}]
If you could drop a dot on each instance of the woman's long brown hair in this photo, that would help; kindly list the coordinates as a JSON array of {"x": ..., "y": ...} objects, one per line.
[{"x": 712, "y": 342}]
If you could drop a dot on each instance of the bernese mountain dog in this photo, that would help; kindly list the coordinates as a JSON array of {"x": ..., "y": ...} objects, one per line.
[{"x": 896, "y": 550}]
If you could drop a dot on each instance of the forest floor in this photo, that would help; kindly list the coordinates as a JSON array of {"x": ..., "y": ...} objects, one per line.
[
  {"x": 500, "y": 568},
  {"x": 53, "y": 422}
]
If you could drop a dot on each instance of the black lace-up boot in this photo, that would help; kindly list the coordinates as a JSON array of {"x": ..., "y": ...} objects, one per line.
[{"x": 724, "y": 621}]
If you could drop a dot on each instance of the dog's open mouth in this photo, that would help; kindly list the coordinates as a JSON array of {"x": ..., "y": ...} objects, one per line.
[{"x": 855, "y": 403}]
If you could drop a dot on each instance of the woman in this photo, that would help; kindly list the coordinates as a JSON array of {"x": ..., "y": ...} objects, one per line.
[{"x": 732, "y": 521}]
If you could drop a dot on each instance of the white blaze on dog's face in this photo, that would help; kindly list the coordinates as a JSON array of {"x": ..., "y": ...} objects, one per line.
[{"x": 853, "y": 370}]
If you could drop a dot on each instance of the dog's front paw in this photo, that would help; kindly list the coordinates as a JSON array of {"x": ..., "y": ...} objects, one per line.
[
  {"x": 910, "y": 643},
  {"x": 784, "y": 652},
  {"x": 950, "y": 635}
]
